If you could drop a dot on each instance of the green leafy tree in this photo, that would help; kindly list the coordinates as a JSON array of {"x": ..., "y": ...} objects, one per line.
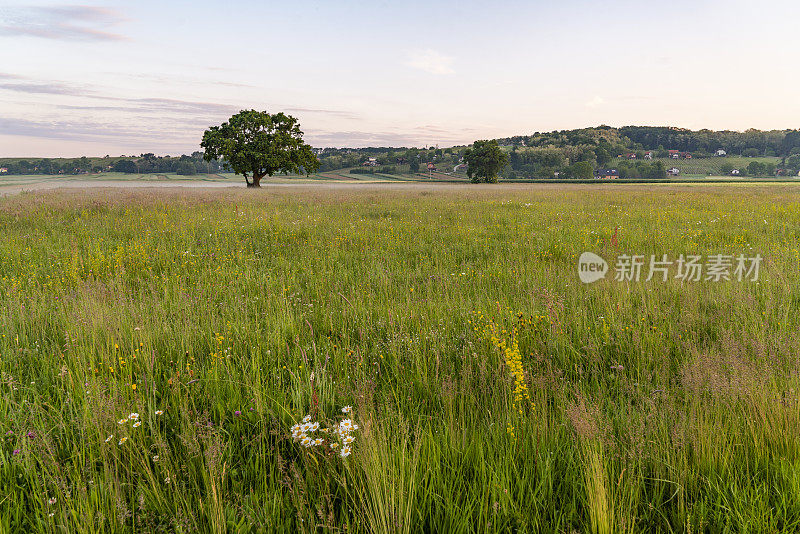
[
  {"x": 125, "y": 165},
  {"x": 185, "y": 168},
  {"x": 755, "y": 169},
  {"x": 582, "y": 170},
  {"x": 414, "y": 165},
  {"x": 726, "y": 168},
  {"x": 484, "y": 161},
  {"x": 257, "y": 144},
  {"x": 657, "y": 170}
]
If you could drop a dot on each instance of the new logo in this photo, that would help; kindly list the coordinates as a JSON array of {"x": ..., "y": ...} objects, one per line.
[{"x": 591, "y": 267}]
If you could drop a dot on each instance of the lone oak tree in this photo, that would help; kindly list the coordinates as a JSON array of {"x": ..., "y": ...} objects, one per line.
[
  {"x": 484, "y": 160},
  {"x": 257, "y": 144}
]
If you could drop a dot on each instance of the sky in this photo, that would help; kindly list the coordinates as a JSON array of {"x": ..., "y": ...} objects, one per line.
[{"x": 125, "y": 77}]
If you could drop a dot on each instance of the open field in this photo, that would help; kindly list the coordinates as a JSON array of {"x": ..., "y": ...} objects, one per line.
[
  {"x": 711, "y": 166},
  {"x": 492, "y": 390}
]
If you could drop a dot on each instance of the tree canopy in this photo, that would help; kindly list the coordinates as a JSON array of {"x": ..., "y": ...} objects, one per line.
[
  {"x": 257, "y": 144},
  {"x": 484, "y": 161}
]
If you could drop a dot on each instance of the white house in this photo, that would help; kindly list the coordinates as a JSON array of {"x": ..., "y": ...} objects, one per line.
[
  {"x": 721, "y": 153},
  {"x": 735, "y": 172},
  {"x": 673, "y": 171}
]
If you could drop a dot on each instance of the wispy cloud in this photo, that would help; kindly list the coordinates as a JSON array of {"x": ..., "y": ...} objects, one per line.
[
  {"x": 331, "y": 112},
  {"x": 595, "y": 102},
  {"x": 430, "y": 61},
  {"x": 49, "y": 88},
  {"x": 66, "y": 23}
]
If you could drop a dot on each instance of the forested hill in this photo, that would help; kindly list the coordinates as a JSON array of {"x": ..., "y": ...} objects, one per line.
[{"x": 702, "y": 142}]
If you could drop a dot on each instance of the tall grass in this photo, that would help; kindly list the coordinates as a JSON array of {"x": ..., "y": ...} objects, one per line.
[{"x": 611, "y": 407}]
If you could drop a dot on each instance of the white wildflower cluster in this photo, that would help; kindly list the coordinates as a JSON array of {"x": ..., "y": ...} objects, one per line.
[
  {"x": 301, "y": 431},
  {"x": 133, "y": 417},
  {"x": 341, "y": 435}
]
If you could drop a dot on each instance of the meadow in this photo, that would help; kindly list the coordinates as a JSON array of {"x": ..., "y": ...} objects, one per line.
[
  {"x": 165, "y": 357},
  {"x": 712, "y": 166}
]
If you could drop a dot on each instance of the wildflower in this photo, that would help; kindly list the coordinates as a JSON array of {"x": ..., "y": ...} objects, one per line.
[
  {"x": 313, "y": 427},
  {"x": 109, "y": 438},
  {"x": 10, "y": 433},
  {"x": 133, "y": 387},
  {"x": 155, "y": 458},
  {"x": 237, "y": 413},
  {"x": 16, "y": 452},
  {"x": 122, "y": 421},
  {"x": 123, "y": 440},
  {"x": 307, "y": 419},
  {"x": 306, "y": 441},
  {"x": 137, "y": 424},
  {"x": 319, "y": 441},
  {"x": 348, "y": 440},
  {"x": 334, "y": 445},
  {"x": 345, "y": 452},
  {"x": 133, "y": 416},
  {"x": 159, "y": 412},
  {"x": 51, "y": 500},
  {"x": 31, "y": 435},
  {"x": 51, "y": 514},
  {"x": 347, "y": 409},
  {"x": 167, "y": 479}
]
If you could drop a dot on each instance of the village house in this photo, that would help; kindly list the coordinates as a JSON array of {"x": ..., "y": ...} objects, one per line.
[
  {"x": 675, "y": 154},
  {"x": 606, "y": 174},
  {"x": 371, "y": 162},
  {"x": 631, "y": 156},
  {"x": 3, "y": 170},
  {"x": 720, "y": 153},
  {"x": 735, "y": 172},
  {"x": 648, "y": 155},
  {"x": 674, "y": 171},
  {"x": 686, "y": 155}
]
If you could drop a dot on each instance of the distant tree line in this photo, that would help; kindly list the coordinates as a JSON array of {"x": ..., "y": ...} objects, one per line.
[
  {"x": 564, "y": 154},
  {"x": 142, "y": 164}
]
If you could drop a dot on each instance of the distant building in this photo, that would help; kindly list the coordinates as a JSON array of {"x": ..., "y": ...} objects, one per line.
[
  {"x": 720, "y": 153},
  {"x": 735, "y": 172},
  {"x": 686, "y": 155},
  {"x": 460, "y": 167},
  {"x": 631, "y": 156},
  {"x": 674, "y": 171},
  {"x": 606, "y": 174},
  {"x": 3, "y": 170},
  {"x": 648, "y": 155},
  {"x": 673, "y": 153},
  {"x": 371, "y": 162}
]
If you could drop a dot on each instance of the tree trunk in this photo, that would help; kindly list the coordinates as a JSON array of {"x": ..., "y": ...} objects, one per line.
[{"x": 256, "y": 181}]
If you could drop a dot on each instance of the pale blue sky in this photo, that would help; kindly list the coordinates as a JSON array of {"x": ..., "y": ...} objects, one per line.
[{"x": 129, "y": 77}]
